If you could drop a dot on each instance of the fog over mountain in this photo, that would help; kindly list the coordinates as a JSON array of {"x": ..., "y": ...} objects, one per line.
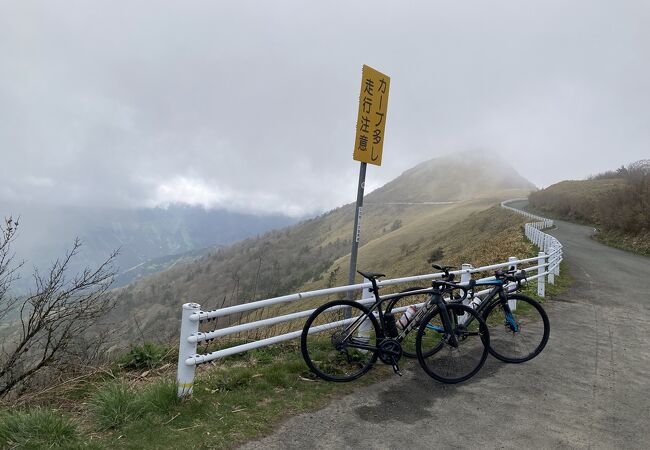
[{"x": 251, "y": 106}]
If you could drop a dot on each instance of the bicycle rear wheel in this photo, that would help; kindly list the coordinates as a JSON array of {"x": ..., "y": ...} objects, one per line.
[
  {"x": 444, "y": 362},
  {"x": 329, "y": 349},
  {"x": 519, "y": 335}
]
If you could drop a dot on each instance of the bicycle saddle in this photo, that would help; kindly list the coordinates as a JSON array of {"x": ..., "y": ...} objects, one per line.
[{"x": 370, "y": 275}]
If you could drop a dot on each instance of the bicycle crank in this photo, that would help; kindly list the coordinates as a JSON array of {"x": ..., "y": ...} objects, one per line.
[{"x": 390, "y": 352}]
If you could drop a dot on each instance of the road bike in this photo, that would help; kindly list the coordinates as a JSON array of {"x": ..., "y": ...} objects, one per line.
[
  {"x": 519, "y": 326},
  {"x": 343, "y": 339}
]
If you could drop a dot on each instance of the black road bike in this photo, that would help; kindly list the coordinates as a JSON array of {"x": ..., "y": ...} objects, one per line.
[
  {"x": 518, "y": 325},
  {"x": 343, "y": 339}
]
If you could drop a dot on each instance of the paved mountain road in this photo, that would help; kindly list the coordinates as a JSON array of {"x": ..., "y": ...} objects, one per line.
[{"x": 589, "y": 388}]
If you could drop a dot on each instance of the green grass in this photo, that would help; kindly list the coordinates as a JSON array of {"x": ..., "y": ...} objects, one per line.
[
  {"x": 160, "y": 397},
  {"x": 636, "y": 243},
  {"x": 562, "y": 284},
  {"x": 235, "y": 399},
  {"x": 238, "y": 399},
  {"x": 116, "y": 404},
  {"x": 145, "y": 356},
  {"x": 37, "y": 428}
]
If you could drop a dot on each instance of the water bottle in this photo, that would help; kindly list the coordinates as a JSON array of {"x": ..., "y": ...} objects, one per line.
[
  {"x": 475, "y": 303},
  {"x": 407, "y": 316}
]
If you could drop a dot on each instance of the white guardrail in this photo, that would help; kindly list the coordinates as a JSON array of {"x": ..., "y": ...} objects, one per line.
[{"x": 547, "y": 264}]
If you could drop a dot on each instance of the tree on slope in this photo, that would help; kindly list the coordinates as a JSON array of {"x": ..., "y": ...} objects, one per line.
[{"x": 50, "y": 324}]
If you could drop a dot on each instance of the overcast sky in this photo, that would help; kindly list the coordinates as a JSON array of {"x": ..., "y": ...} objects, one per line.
[{"x": 252, "y": 105}]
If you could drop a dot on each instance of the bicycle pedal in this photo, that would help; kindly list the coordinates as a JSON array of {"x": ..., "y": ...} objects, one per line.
[{"x": 396, "y": 370}]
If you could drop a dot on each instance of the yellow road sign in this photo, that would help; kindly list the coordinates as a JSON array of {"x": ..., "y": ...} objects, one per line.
[{"x": 371, "y": 120}]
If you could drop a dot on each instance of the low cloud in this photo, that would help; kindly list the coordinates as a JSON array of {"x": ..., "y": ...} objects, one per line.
[{"x": 253, "y": 106}]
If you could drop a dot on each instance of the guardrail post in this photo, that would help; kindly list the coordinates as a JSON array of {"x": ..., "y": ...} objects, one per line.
[
  {"x": 186, "y": 349},
  {"x": 552, "y": 260},
  {"x": 366, "y": 325},
  {"x": 513, "y": 266},
  {"x": 559, "y": 260},
  {"x": 540, "y": 281},
  {"x": 464, "y": 278}
]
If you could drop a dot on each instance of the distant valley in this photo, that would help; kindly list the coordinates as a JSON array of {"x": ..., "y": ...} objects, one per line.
[{"x": 148, "y": 240}]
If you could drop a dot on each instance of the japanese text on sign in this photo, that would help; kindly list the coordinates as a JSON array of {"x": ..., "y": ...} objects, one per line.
[{"x": 371, "y": 121}]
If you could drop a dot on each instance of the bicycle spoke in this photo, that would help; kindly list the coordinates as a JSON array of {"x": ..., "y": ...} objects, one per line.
[
  {"x": 327, "y": 349},
  {"x": 530, "y": 337},
  {"x": 445, "y": 362}
]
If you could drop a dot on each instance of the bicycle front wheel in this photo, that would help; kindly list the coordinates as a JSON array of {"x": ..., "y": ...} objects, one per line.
[
  {"x": 436, "y": 353},
  {"x": 520, "y": 334},
  {"x": 337, "y": 343}
]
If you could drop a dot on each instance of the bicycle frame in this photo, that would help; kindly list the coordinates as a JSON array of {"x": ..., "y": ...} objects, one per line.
[
  {"x": 436, "y": 299},
  {"x": 483, "y": 304}
]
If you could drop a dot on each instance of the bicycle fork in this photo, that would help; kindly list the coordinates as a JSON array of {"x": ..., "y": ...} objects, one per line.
[
  {"x": 507, "y": 312},
  {"x": 447, "y": 324}
]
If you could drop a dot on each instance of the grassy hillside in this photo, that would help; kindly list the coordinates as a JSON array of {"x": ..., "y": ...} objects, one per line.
[
  {"x": 617, "y": 202},
  {"x": 575, "y": 200},
  {"x": 397, "y": 238}
]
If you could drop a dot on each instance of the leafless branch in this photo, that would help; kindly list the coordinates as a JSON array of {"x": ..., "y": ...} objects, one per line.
[{"x": 55, "y": 318}]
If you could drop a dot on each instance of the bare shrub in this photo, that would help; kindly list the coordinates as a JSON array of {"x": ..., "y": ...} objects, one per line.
[{"x": 54, "y": 322}]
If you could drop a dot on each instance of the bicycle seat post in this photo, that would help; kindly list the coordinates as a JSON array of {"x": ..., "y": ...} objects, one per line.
[
  {"x": 375, "y": 288},
  {"x": 372, "y": 277}
]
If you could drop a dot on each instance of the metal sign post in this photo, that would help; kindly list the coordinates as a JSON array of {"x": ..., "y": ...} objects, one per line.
[
  {"x": 368, "y": 145},
  {"x": 356, "y": 232}
]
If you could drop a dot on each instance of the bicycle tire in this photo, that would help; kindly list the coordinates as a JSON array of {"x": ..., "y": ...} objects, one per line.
[
  {"x": 527, "y": 340},
  {"x": 439, "y": 359},
  {"x": 319, "y": 349}
]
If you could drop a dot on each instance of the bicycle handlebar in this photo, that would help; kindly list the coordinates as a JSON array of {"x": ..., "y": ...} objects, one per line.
[
  {"x": 448, "y": 276},
  {"x": 451, "y": 286},
  {"x": 512, "y": 275}
]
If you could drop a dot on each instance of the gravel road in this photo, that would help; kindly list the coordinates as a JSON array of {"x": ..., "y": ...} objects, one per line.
[{"x": 588, "y": 389}]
